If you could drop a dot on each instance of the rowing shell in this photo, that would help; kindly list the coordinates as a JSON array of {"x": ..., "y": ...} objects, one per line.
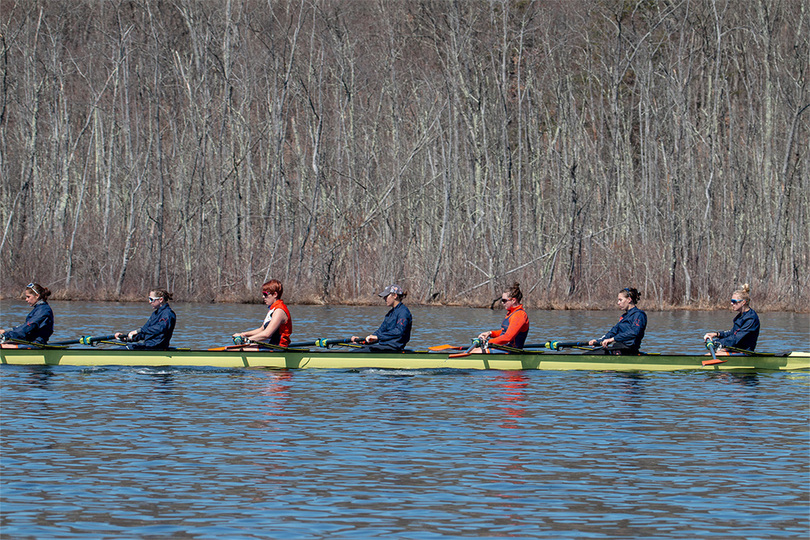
[{"x": 339, "y": 359}]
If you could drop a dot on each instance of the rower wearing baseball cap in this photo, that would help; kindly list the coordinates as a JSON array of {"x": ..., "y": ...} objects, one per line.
[{"x": 395, "y": 330}]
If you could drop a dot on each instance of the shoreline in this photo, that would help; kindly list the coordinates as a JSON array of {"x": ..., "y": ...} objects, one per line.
[{"x": 539, "y": 306}]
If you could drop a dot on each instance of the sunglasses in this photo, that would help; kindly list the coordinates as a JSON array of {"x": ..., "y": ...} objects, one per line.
[
  {"x": 733, "y": 301},
  {"x": 265, "y": 294},
  {"x": 505, "y": 300},
  {"x": 151, "y": 299},
  {"x": 33, "y": 288}
]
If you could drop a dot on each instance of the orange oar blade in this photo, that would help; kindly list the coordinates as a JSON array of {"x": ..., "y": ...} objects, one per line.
[
  {"x": 713, "y": 361},
  {"x": 445, "y": 348},
  {"x": 230, "y": 347}
]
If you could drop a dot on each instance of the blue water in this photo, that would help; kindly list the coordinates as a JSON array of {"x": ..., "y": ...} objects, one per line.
[
  {"x": 111, "y": 453},
  {"x": 206, "y": 453}
]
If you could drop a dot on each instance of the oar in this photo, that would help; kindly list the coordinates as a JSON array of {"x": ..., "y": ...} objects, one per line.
[
  {"x": 84, "y": 340},
  {"x": 714, "y": 360},
  {"x": 560, "y": 345},
  {"x": 507, "y": 348},
  {"x": 34, "y": 344},
  {"x": 230, "y": 347},
  {"x": 272, "y": 346},
  {"x": 439, "y": 348},
  {"x": 251, "y": 343},
  {"x": 328, "y": 342},
  {"x": 477, "y": 342},
  {"x": 747, "y": 352},
  {"x": 310, "y": 343}
]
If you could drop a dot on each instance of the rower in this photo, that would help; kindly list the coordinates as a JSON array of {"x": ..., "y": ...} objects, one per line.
[
  {"x": 159, "y": 327},
  {"x": 745, "y": 330},
  {"x": 38, "y": 325},
  {"x": 395, "y": 331},
  {"x": 515, "y": 326},
  {"x": 625, "y": 337},
  {"x": 276, "y": 328}
]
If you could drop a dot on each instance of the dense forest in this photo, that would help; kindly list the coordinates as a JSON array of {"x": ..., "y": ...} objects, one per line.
[{"x": 454, "y": 147}]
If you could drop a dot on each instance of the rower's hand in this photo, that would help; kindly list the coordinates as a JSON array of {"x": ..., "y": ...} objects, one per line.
[
  {"x": 709, "y": 336},
  {"x": 593, "y": 343},
  {"x": 372, "y": 339},
  {"x": 607, "y": 342},
  {"x": 484, "y": 335}
]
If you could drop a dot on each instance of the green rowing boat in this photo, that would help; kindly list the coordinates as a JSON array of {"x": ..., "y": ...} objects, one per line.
[{"x": 347, "y": 359}]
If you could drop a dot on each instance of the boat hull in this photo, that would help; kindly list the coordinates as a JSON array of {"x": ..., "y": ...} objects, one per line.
[{"x": 340, "y": 359}]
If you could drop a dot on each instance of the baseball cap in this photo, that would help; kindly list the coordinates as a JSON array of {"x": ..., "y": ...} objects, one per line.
[{"x": 396, "y": 289}]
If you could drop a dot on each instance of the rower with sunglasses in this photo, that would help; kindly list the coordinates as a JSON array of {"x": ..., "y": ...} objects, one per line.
[
  {"x": 745, "y": 330},
  {"x": 38, "y": 325},
  {"x": 626, "y": 335},
  {"x": 277, "y": 325},
  {"x": 515, "y": 326},
  {"x": 158, "y": 330}
]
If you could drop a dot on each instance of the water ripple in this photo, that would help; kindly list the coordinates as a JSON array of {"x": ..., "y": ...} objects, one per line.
[{"x": 206, "y": 453}]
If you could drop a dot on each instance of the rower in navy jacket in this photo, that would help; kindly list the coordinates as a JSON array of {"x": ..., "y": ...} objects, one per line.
[
  {"x": 625, "y": 338},
  {"x": 745, "y": 331},
  {"x": 395, "y": 331},
  {"x": 158, "y": 330},
  {"x": 38, "y": 325}
]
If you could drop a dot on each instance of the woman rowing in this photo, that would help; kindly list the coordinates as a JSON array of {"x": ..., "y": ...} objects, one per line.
[
  {"x": 625, "y": 337},
  {"x": 515, "y": 325},
  {"x": 277, "y": 325},
  {"x": 159, "y": 327},
  {"x": 745, "y": 330},
  {"x": 395, "y": 331},
  {"x": 38, "y": 325}
]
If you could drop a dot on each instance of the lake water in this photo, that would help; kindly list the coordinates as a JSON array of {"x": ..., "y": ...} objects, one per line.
[{"x": 249, "y": 453}]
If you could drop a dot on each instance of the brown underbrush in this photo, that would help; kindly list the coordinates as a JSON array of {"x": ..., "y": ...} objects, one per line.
[{"x": 479, "y": 301}]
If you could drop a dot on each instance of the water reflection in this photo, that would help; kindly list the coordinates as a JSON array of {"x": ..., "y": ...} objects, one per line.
[
  {"x": 162, "y": 381},
  {"x": 39, "y": 376},
  {"x": 748, "y": 380},
  {"x": 275, "y": 392},
  {"x": 633, "y": 386},
  {"x": 513, "y": 385}
]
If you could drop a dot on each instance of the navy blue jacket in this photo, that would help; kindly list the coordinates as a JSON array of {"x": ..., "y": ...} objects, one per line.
[
  {"x": 630, "y": 329},
  {"x": 744, "y": 333},
  {"x": 158, "y": 330},
  {"x": 38, "y": 325},
  {"x": 395, "y": 331}
]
